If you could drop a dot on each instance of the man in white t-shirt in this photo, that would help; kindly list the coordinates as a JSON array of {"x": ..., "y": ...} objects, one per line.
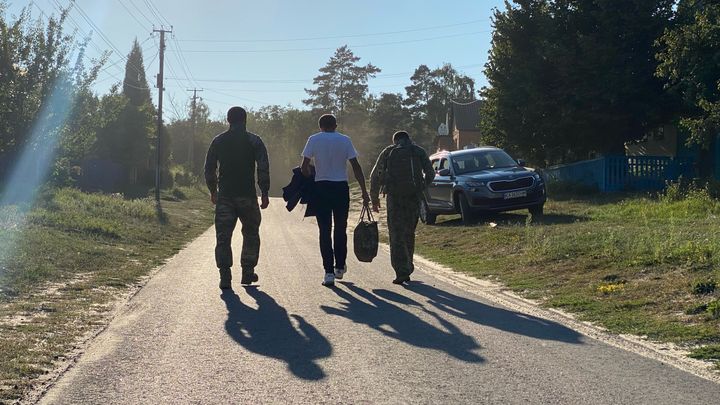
[{"x": 330, "y": 150}]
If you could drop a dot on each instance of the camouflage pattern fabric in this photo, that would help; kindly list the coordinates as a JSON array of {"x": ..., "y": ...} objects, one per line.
[
  {"x": 227, "y": 213},
  {"x": 378, "y": 174},
  {"x": 403, "y": 213}
]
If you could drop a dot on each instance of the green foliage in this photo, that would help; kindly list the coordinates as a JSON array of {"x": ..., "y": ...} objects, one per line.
[
  {"x": 36, "y": 64},
  {"x": 342, "y": 83},
  {"x": 104, "y": 215},
  {"x": 568, "y": 79},
  {"x": 696, "y": 309},
  {"x": 713, "y": 309},
  {"x": 704, "y": 287},
  {"x": 689, "y": 63},
  {"x": 128, "y": 128},
  {"x": 429, "y": 95},
  {"x": 135, "y": 85},
  {"x": 709, "y": 352}
]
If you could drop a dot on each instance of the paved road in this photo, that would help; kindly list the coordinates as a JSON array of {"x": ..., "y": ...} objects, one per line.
[{"x": 290, "y": 340}]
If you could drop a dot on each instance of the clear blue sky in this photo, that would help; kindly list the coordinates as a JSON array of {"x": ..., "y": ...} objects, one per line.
[{"x": 274, "y": 48}]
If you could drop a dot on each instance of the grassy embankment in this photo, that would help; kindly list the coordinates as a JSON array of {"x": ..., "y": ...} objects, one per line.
[
  {"x": 65, "y": 263},
  {"x": 634, "y": 264}
]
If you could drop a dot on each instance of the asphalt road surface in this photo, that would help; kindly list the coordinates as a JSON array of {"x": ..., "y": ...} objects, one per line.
[{"x": 291, "y": 340}]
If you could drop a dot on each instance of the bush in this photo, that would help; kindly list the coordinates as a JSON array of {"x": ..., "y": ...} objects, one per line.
[
  {"x": 704, "y": 287},
  {"x": 713, "y": 309},
  {"x": 178, "y": 194},
  {"x": 696, "y": 310}
]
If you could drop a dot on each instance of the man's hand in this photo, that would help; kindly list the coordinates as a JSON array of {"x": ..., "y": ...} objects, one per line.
[
  {"x": 366, "y": 198},
  {"x": 213, "y": 198},
  {"x": 376, "y": 206},
  {"x": 264, "y": 201}
]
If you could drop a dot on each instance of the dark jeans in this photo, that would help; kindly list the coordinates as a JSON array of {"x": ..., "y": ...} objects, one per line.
[{"x": 332, "y": 200}]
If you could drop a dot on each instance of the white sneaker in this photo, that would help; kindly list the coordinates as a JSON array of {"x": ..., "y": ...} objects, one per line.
[
  {"x": 329, "y": 280},
  {"x": 340, "y": 272}
]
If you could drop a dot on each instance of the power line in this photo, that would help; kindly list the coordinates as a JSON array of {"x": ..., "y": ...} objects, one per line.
[
  {"x": 334, "y": 37},
  {"x": 287, "y": 81},
  {"x": 132, "y": 3},
  {"x": 132, "y": 14},
  {"x": 153, "y": 10},
  {"x": 409, "y": 41}
]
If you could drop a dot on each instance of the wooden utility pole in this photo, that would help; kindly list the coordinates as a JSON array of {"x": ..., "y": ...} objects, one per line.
[
  {"x": 161, "y": 88},
  {"x": 191, "y": 146}
]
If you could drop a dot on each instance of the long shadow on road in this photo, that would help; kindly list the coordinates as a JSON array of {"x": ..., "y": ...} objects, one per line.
[
  {"x": 477, "y": 312},
  {"x": 271, "y": 332},
  {"x": 395, "y": 322}
]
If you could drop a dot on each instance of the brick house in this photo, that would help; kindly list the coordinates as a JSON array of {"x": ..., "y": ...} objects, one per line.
[{"x": 463, "y": 121}]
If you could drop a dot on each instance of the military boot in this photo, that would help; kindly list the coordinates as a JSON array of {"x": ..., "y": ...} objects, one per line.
[
  {"x": 248, "y": 277},
  {"x": 225, "y": 278}
]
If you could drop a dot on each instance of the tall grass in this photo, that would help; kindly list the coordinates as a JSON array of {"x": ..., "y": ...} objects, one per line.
[{"x": 99, "y": 214}]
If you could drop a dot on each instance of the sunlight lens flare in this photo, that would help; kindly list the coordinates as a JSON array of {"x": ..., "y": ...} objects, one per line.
[{"x": 33, "y": 167}]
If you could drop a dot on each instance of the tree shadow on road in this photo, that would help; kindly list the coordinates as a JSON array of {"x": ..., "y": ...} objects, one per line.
[
  {"x": 271, "y": 332},
  {"x": 395, "y": 322},
  {"x": 477, "y": 312}
]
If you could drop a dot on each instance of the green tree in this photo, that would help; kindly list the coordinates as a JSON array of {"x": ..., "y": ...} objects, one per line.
[
  {"x": 690, "y": 63},
  {"x": 128, "y": 130},
  {"x": 135, "y": 85},
  {"x": 572, "y": 78},
  {"x": 46, "y": 105},
  {"x": 342, "y": 83},
  {"x": 429, "y": 95}
]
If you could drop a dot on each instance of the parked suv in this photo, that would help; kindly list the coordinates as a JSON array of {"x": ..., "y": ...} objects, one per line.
[{"x": 480, "y": 180}]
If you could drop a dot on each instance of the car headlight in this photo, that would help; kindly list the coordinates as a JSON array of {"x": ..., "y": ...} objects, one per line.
[
  {"x": 537, "y": 177},
  {"x": 475, "y": 184}
]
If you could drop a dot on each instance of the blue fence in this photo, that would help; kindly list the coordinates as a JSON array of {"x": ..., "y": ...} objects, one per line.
[{"x": 616, "y": 173}]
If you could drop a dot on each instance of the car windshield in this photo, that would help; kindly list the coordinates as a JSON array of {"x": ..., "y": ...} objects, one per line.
[{"x": 482, "y": 160}]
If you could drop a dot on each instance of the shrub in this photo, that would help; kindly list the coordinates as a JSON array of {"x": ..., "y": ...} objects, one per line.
[
  {"x": 178, "y": 194},
  {"x": 713, "y": 309},
  {"x": 704, "y": 287},
  {"x": 696, "y": 310}
]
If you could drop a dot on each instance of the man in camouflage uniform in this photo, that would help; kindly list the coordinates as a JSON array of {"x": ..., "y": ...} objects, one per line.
[
  {"x": 403, "y": 207},
  {"x": 239, "y": 152}
]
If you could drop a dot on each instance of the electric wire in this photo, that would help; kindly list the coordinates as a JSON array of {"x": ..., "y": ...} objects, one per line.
[{"x": 334, "y": 37}]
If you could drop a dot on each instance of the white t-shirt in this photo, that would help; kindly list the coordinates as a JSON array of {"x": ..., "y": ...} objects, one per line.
[{"x": 330, "y": 151}]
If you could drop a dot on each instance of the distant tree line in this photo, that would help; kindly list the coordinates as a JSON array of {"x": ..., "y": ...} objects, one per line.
[
  {"x": 340, "y": 88},
  {"x": 570, "y": 79}
]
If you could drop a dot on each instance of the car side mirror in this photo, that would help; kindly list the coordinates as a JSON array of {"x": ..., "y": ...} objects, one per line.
[
  {"x": 521, "y": 162},
  {"x": 443, "y": 172}
]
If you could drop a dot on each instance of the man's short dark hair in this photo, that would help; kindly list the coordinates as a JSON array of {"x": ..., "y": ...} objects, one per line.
[
  {"x": 237, "y": 115},
  {"x": 400, "y": 135},
  {"x": 327, "y": 121}
]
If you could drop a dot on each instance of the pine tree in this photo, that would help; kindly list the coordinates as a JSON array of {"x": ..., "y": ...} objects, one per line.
[
  {"x": 342, "y": 83},
  {"x": 135, "y": 85}
]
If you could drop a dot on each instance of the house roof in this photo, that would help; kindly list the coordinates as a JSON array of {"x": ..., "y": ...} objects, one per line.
[{"x": 466, "y": 115}]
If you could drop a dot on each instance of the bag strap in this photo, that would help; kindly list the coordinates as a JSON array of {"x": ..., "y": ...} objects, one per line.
[{"x": 366, "y": 213}]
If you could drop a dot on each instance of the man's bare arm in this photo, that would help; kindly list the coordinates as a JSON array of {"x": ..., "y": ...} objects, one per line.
[
  {"x": 305, "y": 167},
  {"x": 360, "y": 176}
]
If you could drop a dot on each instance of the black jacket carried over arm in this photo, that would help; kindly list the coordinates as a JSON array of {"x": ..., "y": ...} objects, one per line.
[{"x": 300, "y": 191}]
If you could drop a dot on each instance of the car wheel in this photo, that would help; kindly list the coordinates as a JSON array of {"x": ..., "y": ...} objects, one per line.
[
  {"x": 537, "y": 210},
  {"x": 465, "y": 211},
  {"x": 425, "y": 216}
]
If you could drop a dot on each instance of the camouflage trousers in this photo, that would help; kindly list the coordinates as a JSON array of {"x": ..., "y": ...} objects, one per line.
[
  {"x": 402, "y": 218},
  {"x": 227, "y": 213}
]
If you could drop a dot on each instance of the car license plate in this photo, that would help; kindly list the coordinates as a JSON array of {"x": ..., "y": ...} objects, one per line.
[{"x": 515, "y": 194}]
